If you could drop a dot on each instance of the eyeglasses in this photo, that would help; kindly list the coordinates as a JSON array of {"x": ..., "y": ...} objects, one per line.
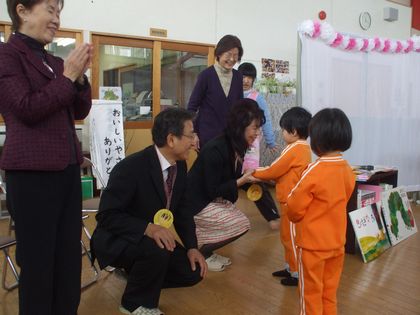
[
  {"x": 229, "y": 55},
  {"x": 192, "y": 137}
]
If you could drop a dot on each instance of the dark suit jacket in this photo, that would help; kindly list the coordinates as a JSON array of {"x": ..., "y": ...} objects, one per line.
[
  {"x": 213, "y": 175},
  {"x": 211, "y": 103},
  {"x": 134, "y": 193},
  {"x": 38, "y": 109}
]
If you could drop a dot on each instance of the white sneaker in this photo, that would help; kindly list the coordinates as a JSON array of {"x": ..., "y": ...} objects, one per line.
[
  {"x": 141, "y": 310},
  {"x": 222, "y": 259},
  {"x": 213, "y": 264}
]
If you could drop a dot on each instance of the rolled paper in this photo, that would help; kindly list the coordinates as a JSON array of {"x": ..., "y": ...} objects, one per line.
[
  {"x": 254, "y": 192},
  {"x": 164, "y": 218}
]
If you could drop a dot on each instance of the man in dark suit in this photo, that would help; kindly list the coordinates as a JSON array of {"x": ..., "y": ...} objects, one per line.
[{"x": 126, "y": 236}]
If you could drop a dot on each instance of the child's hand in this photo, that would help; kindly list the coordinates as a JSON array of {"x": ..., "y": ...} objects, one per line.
[
  {"x": 245, "y": 177},
  {"x": 248, "y": 172},
  {"x": 254, "y": 179}
]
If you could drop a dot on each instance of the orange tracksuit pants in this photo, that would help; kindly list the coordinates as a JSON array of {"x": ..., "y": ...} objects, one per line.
[
  {"x": 319, "y": 277},
  {"x": 286, "y": 239}
]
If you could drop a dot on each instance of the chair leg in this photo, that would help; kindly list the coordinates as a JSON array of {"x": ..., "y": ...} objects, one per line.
[
  {"x": 8, "y": 262},
  {"x": 86, "y": 231},
  {"x": 89, "y": 236},
  {"x": 86, "y": 252}
]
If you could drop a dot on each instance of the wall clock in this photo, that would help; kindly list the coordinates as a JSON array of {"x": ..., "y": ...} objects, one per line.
[{"x": 365, "y": 20}]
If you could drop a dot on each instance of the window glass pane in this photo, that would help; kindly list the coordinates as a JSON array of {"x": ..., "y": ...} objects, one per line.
[
  {"x": 131, "y": 69},
  {"x": 61, "y": 46},
  {"x": 2, "y": 37},
  {"x": 179, "y": 71}
]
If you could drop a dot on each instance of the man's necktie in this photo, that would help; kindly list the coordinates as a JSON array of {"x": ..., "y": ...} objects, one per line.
[{"x": 170, "y": 178}]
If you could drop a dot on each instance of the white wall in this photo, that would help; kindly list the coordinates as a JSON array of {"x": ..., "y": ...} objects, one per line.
[{"x": 267, "y": 28}]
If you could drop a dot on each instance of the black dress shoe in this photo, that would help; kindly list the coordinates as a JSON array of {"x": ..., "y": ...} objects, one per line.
[
  {"x": 290, "y": 281},
  {"x": 281, "y": 273}
]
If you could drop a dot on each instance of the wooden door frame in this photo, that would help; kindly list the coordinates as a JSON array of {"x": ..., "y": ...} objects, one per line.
[{"x": 157, "y": 44}]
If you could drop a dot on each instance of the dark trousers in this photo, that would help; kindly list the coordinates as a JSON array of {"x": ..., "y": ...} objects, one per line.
[
  {"x": 46, "y": 207},
  {"x": 265, "y": 204},
  {"x": 207, "y": 249},
  {"x": 150, "y": 269}
]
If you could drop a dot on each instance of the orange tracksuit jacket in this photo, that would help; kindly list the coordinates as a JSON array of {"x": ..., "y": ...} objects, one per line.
[
  {"x": 286, "y": 171},
  {"x": 317, "y": 204}
]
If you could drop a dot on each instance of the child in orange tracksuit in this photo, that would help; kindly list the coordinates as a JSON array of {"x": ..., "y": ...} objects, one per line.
[
  {"x": 317, "y": 204},
  {"x": 286, "y": 171}
]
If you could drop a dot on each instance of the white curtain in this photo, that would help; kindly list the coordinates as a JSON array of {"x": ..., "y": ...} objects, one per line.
[{"x": 380, "y": 93}]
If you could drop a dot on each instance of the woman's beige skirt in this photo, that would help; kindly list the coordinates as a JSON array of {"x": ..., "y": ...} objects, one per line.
[{"x": 218, "y": 221}]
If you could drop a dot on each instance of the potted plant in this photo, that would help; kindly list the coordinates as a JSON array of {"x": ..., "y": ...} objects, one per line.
[
  {"x": 268, "y": 85},
  {"x": 273, "y": 85},
  {"x": 289, "y": 87}
]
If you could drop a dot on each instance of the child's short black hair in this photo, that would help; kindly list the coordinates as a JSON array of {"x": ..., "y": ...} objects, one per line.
[
  {"x": 248, "y": 69},
  {"x": 296, "y": 118},
  {"x": 330, "y": 130}
]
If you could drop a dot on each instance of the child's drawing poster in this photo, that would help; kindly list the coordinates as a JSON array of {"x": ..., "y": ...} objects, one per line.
[
  {"x": 398, "y": 215},
  {"x": 370, "y": 232}
]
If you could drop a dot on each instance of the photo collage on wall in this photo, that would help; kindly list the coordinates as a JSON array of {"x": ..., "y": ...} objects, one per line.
[{"x": 271, "y": 66}]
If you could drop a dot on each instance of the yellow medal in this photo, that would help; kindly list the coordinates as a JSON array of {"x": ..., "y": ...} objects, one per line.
[
  {"x": 163, "y": 217},
  {"x": 254, "y": 192}
]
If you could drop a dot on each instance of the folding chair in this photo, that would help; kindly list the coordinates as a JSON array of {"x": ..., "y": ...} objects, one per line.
[
  {"x": 3, "y": 193},
  {"x": 91, "y": 206},
  {"x": 6, "y": 242},
  {"x": 86, "y": 251},
  {"x": 87, "y": 163},
  {"x": 3, "y": 211}
]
